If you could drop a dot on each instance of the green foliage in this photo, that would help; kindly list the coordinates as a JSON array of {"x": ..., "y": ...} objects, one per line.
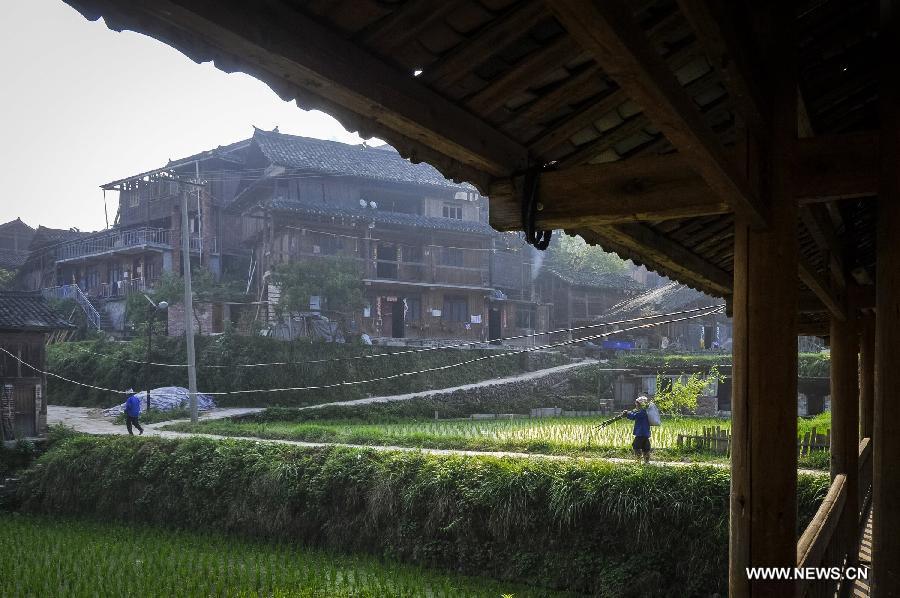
[
  {"x": 573, "y": 253},
  {"x": 18, "y": 457},
  {"x": 123, "y": 367},
  {"x": 103, "y": 559},
  {"x": 336, "y": 280},
  {"x": 7, "y": 279},
  {"x": 814, "y": 365},
  {"x": 571, "y": 525},
  {"x": 680, "y": 395}
]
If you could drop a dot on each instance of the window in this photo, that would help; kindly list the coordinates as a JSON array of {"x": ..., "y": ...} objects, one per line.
[
  {"x": 524, "y": 317},
  {"x": 413, "y": 309},
  {"x": 134, "y": 199},
  {"x": 456, "y": 309},
  {"x": 452, "y": 256},
  {"x": 452, "y": 211}
]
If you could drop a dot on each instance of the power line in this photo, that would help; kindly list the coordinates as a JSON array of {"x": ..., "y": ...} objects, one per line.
[
  {"x": 406, "y": 352},
  {"x": 389, "y": 377},
  {"x": 450, "y": 366}
]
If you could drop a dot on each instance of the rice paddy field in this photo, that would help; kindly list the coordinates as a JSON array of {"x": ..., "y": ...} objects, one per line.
[
  {"x": 564, "y": 436},
  {"x": 40, "y": 556}
]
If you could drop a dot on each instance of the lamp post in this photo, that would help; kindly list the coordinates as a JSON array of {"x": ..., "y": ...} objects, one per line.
[{"x": 154, "y": 309}]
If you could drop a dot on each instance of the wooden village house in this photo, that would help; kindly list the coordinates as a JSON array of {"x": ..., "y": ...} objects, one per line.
[{"x": 25, "y": 322}]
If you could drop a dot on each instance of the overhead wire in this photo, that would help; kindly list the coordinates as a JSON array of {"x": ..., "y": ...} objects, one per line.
[
  {"x": 709, "y": 311},
  {"x": 395, "y": 353}
]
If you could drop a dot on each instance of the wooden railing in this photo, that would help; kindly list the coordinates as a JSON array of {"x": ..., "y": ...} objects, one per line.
[
  {"x": 823, "y": 544},
  {"x": 815, "y": 548}
]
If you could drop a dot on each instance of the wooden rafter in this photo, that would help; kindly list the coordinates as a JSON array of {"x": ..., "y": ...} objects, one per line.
[
  {"x": 820, "y": 229},
  {"x": 608, "y": 31},
  {"x": 837, "y": 166},
  {"x": 661, "y": 253},
  {"x": 337, "y": 73}
]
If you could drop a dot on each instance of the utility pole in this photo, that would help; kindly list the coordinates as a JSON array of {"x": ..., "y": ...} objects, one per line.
[{"x": 188, "y": 303}]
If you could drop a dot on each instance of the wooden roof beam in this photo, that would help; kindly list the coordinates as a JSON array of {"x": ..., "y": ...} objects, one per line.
[
  {"x": 831, "y": 167},
  {"x": 822, "y": 289},
  {"x": 327, "y": 70},
  {"x": 608, "y": 31},
  {"x": 645, "y": 188},
  {"x": 822, "y": 232}
]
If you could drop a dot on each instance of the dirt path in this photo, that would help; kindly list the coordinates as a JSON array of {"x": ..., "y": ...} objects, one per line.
[
  {"x": 443, "y": 391},
  {"x": 91, "y": 421}
]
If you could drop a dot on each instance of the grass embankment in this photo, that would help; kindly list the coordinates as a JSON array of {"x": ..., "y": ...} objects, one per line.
[
  {"x": 582, "y": 525},
  {"x": 107, "y": 559},
  {"x": 155, "y": 416},
  {"x": 554, "y": 436},
  {"x": 220, "y": 360}
]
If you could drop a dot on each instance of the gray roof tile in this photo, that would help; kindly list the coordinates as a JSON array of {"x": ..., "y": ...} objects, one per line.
[{"x": 26, "y": 311}]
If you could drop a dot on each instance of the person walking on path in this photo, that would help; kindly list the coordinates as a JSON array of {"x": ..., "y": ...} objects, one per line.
[
  {"x": 132, "y": 413},
  {"x": 641, "y": 444}
]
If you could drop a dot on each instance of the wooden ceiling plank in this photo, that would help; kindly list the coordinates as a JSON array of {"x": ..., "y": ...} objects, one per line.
[
  {"x": 728, "y": 47},
  {"x": 652, "y": 188},
  {"x": 522, "y": 74},
  {"x": 497, "y": 35},
  {"x": 413, "y": 17},
  {"x": 609, "y": 32}
]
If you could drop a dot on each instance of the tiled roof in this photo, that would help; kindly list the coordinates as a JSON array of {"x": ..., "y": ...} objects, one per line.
[
  {"x": 588, "y": 278},
  {"x": 16, "y": 224},
  {"x": 383, "y": 217},
  {"x": 45, "y": 236},
  {"x": 667, "y": 298},
  {"x": 10, "y": 259},
  {"x": 316, "y": 155},
  {"x": 28, "y": 311}
]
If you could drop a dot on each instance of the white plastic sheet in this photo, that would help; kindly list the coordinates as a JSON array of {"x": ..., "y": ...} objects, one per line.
[{"x": 165, "y": 398}]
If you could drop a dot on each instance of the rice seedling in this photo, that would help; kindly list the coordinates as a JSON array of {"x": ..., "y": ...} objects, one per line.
[
  {"x": 40, "y": 556},
  {"x": 560, "y": 435}
]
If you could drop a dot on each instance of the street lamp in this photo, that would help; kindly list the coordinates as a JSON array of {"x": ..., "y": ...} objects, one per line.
[{"x": 154, "y": 309}]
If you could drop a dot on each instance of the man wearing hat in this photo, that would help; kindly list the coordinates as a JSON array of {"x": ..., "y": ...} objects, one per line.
[{"x": 641, "y": 444}]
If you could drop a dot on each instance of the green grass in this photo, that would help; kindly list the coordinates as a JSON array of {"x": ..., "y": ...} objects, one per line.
[
  {"x": 40, "y": 556},
  {"x": 579, "y": 525},
  {"x": 556, "y": 436}
]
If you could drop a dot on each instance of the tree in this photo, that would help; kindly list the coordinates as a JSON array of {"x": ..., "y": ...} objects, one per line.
[
  {"x": 675, "y": 396},
  {"x": 573, "y": 253},
  {"x": 335, "y": 280}
]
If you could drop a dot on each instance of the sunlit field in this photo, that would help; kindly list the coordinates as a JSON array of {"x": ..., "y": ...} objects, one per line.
[{"x": 562, "y": 436}]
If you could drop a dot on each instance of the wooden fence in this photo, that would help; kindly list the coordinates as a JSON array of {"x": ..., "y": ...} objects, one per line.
[{"x": 718, "y": 440}]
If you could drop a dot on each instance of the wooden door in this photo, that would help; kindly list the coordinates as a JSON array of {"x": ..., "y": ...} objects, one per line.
[{"x": 24, "y": 423}]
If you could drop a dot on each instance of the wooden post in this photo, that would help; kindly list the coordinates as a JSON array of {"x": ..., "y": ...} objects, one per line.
[
  {"x": 866, "y": 375},
  {"x": 763, "y": 506},
  {"x": 845, "y": 426},
  {"x": 886, "y": 432}
]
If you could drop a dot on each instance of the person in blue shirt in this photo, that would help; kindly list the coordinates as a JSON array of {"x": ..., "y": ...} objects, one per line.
[
  {"x": 641, "y": 444},
  {"x": 132, "y": 413}
]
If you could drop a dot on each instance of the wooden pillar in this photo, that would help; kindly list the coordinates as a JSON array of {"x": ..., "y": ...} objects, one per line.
[
  {"x": 845, "y": 425},
  {"x": 886, "y": 433},
  {"x": 763, "y": 522},
  {"x": 866, "y": 374}
]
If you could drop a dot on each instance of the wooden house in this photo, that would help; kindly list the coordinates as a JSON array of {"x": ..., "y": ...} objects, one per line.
[{"x": 25, "y": 322}]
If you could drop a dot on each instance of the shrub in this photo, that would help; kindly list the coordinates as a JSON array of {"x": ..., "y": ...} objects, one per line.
[
  {"x": 580, "y": 525},
  {"x": 123, "y": 367}
]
